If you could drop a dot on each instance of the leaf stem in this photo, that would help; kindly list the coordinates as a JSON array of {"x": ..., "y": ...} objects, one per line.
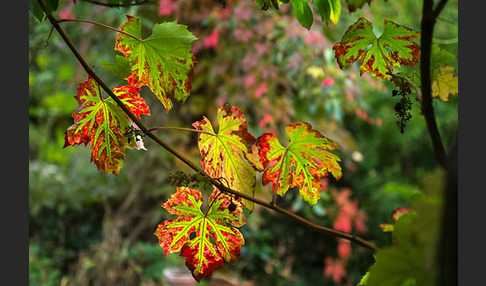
[
  {"x": 180, "y": 128},
  {"x": 189, "y": 163},
  {"x": 98, "y": 24}
]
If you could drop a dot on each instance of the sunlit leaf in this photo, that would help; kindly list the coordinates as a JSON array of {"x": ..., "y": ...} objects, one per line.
[
  {"x": 224, "y": 154},
  {"x": 103, "y": 124},
  {"x": 205, "y": 239},
  {"x": 163, "y": 61},
  {"x": 393, "y": 48},
  {"x": 301, "y": 164}
]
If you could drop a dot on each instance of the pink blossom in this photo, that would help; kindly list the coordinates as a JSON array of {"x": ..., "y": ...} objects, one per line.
[
  {"x": 166, "y": 7},
  {"x": 212, "y": 40},
  {"x": 248, "y": 80},
  {"x": 265, "y": 120},
  {"x": 327, "y": 82},
  {"x": 261, "y": 89},
  {"x": 334, "y": 269},
  {"x": 344, "y": 249}
]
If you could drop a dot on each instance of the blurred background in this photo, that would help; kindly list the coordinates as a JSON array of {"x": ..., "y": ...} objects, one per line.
[{"x": 89, "y": 228}]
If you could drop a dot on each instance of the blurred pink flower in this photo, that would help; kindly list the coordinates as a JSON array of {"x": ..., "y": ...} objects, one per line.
[
  {"x": 266, "y": 119},
  {"x": 327, "y": 82},
  {"x": 261, "y": 89},
  {"x": 334, "y": 269},
  {"x": 212, "y": 40},
  {"x": 166, "y": 7},
  {"x": 344, "y": 248}
]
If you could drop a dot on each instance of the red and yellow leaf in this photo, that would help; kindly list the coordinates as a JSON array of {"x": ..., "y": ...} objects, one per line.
[
  {"x": 225, "y": 153},
  {"x": 393, "y": 48},
  {"x": 206, "y": 240},
  {"x": 163, "y": 61},
  {"x": 301, "y": 164},
  {"x": 103, "y": 124}
]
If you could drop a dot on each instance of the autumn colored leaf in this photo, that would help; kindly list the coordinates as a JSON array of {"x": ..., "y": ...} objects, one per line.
[
  {"x": 224, "y": 154},
  {"x": 301, "y": 164},
  {"x": 393, "y": 48},
  {"x": 103, "y": 124},
  {"x": 445, "y": 84},
  {"x": 205, "y": 239},
  {"x": 439, "y": 60},
  {"x": 163, "y": 61},
  {"x": 353, "y": 5}
]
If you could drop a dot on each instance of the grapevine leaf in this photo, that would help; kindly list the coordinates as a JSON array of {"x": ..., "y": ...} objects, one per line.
[
  {"x": 303, "y": 13},
  {"x": 120, "y": 68},
  {"x": 393, "y": 48},
  {"x": 103, "y": 124},
  {"x": 330, "y": 10},
  {"x": 438, "y": 58},
  {"x": 225, "y": 153},
  {"x": 445, "y": 84},
  {"x": 305, "y": 160},
  {"x": 353, "y": 5},
  {"x": 163, "y": 61},
  {"x": 205, "y": 239}
]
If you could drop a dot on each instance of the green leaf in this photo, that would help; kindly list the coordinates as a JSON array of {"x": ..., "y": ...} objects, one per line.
[
  {"x": 330, "y": 10},
  {"x": 205, "y": 239},
  {"x": 120, "y": 68},
  {"x": 224, "y": 153},
  {"x": 36, "y": 9},
  {"x": 103, "y": 124},
  {"x": 396, "y": 267},
  {"x": 301, "y": 164},
  {"x": 303, "y": 13},
  {"x": 393, "y": 48},
  {"x": 163, "y": 61}
]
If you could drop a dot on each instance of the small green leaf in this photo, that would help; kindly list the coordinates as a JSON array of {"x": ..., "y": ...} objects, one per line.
[
  {"x": 303, "y": 13},
  {"x": 330, "y": 10},
  {"x": 120, "y": 68}
]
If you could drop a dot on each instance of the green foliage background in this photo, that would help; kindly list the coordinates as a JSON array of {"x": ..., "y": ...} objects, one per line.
[{"x": 88, "y": 226}]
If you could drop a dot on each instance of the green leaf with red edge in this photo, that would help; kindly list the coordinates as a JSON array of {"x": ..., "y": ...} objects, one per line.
[
  {"x": 163, "y": 61},
  {"x": 226, "y": 153},
  {"x": 301, "y": 164},
  {"x": 103, "y": 124},
  {"x": 206, "y": 240},
  {"x": 393, "y": 48}
]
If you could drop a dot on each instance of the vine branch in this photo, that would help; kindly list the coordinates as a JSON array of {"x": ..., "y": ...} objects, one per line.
[
  {"x": 189, "y": 163},
  {"x": 429, "y": 16}
]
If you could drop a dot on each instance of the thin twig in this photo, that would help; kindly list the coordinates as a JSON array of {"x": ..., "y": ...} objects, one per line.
[
  {"x": 98, "y": 24},
  {"x": 116, "y": 5}
]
